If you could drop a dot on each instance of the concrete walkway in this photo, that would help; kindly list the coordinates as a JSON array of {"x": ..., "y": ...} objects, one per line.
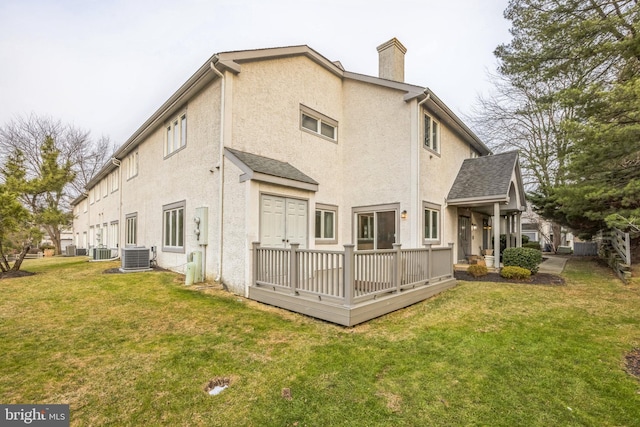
[{"x": 553, "y": 264}]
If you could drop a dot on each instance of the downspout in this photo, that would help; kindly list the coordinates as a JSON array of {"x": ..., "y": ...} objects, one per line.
[
  {"x": 117, "y": 163},
  {"x": 221, "y": 168},
  {"x": 416, "y": 200}
]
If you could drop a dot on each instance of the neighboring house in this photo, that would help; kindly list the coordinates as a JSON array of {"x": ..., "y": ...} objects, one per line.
[
  {"x": 283, "y": 146},
  {"x": 66, "y": 238},
  {"x": 540, "y": 230}
]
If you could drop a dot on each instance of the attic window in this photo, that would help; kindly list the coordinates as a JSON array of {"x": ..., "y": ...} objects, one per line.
[{"x": 312, "y": 121}]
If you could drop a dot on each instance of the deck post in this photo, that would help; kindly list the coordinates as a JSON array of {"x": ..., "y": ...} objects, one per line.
[
  {"x": 398, "y": 266},
  {"x": 254, "y": 279},
  {"x": 349, "y": 282},
  {"x": 627, "y": 250},
  {"x": 429, "y": 259},
  {"x": 293, "y": 267}
]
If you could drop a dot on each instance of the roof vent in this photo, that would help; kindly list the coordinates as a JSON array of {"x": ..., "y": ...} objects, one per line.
[{"x": 391, "y": 60}]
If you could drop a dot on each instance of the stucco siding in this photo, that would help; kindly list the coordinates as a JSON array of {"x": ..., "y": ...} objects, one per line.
[
  {"x": 438, "y": 171},
  {"x": 266, "y": 118},
  {"x": 236, "y": 219}
]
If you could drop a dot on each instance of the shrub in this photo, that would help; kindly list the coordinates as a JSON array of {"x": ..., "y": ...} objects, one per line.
[
  {"x": 522, "y": 257},
  {"x": 477, "y": 270},
  {"x": 513, "y": 272},
  {"x": 532, "y": 245}
]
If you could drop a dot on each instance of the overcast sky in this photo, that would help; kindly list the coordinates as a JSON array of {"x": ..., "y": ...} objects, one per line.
[{"x": 107, "y": 65}]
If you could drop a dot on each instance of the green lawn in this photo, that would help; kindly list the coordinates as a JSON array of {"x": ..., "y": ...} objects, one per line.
[{"x": 139, "y": 349}]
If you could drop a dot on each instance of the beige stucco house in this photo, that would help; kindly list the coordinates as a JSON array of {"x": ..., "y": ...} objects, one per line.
[{"x": 284, "y": 147}]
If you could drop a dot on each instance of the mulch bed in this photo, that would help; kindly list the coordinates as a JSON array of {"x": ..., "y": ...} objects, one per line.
[
  {"x": 633, "y": 363},
  {"x": 536, "y": 279},
  {"x": 14, "y": 274}
]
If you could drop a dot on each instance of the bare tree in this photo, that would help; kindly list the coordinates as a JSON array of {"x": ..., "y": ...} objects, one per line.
[
  {"x": 526, "y": 119},
  {"x": 74, "y": 148}
]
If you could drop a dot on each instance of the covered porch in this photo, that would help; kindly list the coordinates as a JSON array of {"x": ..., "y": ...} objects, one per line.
[
  {"x": 488, "y": 191},
  {"x": 349, "y": 287}
]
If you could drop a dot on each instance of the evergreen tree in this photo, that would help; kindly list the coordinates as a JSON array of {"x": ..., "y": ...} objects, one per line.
[
  {"x": 17, "y": 231},
  {"x": 589, "y": 50}
]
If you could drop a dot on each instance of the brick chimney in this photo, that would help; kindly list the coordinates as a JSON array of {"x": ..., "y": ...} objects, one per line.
[{"x": 391, "y": 60}]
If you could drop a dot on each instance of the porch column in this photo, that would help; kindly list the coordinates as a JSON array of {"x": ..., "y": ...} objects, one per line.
[
  {"x": 508, "y": 231},
  {"x": 496, "y": 234},
  {"x": 519, "y": 229}
]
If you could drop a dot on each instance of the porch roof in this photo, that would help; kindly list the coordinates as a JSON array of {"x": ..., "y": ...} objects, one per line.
[
  {"x": 269, "y": 170},
  {"x": 489, "y": 179}
]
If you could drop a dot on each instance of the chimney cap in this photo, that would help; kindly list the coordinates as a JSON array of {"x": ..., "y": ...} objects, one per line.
[{"x": 393, "y": 42}]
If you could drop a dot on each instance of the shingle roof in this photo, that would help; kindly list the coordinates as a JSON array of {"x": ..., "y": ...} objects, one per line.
[
  {"x": 271, "y": 167},
  {"x": 484, "y": 177}
]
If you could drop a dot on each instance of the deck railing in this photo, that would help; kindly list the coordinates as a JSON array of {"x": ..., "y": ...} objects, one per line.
[{"x": 349, "y": 277}]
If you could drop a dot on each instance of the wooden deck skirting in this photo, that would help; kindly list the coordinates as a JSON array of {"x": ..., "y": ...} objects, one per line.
[{"x": 349, "y": 287}]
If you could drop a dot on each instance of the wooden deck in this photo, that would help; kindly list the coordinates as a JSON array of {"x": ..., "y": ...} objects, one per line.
[{"x": 349, "y": 287}]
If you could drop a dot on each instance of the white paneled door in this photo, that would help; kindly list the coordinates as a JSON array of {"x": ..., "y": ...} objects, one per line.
[{"x": 283, "y": 221}]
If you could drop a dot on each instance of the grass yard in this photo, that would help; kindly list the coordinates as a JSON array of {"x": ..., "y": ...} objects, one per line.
[{"x": 139, "y": 350}]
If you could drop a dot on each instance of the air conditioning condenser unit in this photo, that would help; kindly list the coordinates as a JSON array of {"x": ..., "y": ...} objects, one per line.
[{"x": 135, "y": 259}]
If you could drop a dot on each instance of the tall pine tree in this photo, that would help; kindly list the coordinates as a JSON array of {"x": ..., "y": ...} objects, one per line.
[{"x": 590, "y": 51}]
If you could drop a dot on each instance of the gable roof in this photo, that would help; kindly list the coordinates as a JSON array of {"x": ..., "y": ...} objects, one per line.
[
  {"x": 487, "y": 179},
  {"x": 232, "y": 61},
  {"x": 265, "y": 169}
]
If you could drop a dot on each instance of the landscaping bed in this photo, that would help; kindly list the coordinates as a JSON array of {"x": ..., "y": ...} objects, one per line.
[{"x": 536, "y": 279}]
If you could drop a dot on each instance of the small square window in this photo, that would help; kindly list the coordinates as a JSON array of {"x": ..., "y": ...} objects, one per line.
[
  {"x": 325, "y": 230},
  {"x": 309, "y": 123}
]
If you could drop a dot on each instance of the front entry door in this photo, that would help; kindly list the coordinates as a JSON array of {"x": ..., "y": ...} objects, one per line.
[
  {"x": 464, "y": 237},
  {"x": 283, "y": 221}
]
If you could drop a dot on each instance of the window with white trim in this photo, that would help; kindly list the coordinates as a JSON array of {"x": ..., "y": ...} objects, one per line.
[
  {"x": 105, "y": 235},
  {"x": 115, "y": 178},
  {"x": 132, "y": 165},
  {"x": 431, "y": 222},
  {"x": 114, "y": 234},
  {"x": 317, "y": 123},
  {"x": 131, "y": 231},
  {"x": 326, "y": 220},
  {"x": 176, "y": 134},
  {"x": 173, "y": 227},
  {"x": 431, "y": 133}
]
